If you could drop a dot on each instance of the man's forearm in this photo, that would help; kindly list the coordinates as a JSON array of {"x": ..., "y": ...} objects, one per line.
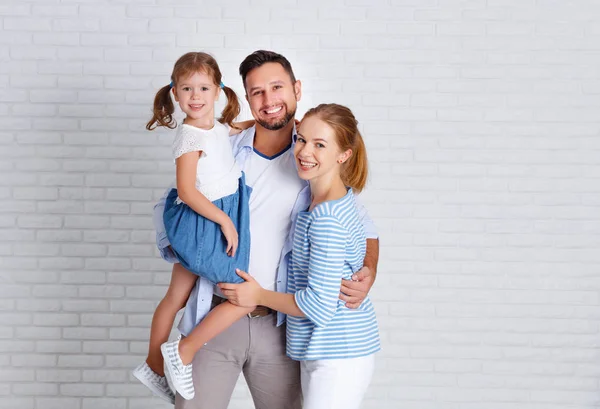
[{"x": 372, "y": 256}]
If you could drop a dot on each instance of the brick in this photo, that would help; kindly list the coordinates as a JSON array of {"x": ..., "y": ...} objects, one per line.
[
  {"x": 79, "y": 333},
  {"x": 104, "y": 376},
  {"x": 104, "y": 403},
  {"x": 33, "y": 360},
  {"x": 80, "y": 361},
  {"x": 84, "y": 389},
  {"x": 57, "y": 375},
  {"x": 104, "y": 320},
  {"x": 21, "y": 403}
]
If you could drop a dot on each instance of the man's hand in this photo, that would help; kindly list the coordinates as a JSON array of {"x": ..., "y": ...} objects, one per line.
[
  {"x": 245, "y": 294},
  {"x": 354, "y": 291}
]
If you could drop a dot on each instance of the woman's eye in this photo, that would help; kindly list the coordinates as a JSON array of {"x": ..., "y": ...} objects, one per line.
[{"x": 320, "y": 145}]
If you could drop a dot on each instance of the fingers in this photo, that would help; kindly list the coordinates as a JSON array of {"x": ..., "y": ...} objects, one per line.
[
  {"x": 350, "y": 298},
  {"x": 353, "y": 288},
  {"x": 243, "y": 274},
  {"x": 227, "y": 286},
  {"x": 362, "y": 274},
  {"x": 234, "y": 247},
  {"x": 229, "y": 246}
]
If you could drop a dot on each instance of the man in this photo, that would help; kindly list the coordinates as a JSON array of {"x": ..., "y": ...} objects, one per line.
[{"x": 255, "y": 345}]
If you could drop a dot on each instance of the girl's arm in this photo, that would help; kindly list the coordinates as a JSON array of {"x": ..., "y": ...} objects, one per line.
[
  {"x": 240, "y": 126},
  {"x": 186, "y": 189}
]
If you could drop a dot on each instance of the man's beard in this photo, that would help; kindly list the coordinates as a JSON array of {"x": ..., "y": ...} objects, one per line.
[{"x": 275, "y": 126}]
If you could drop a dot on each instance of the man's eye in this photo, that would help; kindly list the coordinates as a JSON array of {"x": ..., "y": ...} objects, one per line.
[{"x": 277, "y": 87}]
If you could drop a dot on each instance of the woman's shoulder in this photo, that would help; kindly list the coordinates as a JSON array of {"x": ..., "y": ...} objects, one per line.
[{"x": 337, "y": 208}]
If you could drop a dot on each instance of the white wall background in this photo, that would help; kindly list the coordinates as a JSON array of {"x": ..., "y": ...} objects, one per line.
[{"x": 482, "y": 121}]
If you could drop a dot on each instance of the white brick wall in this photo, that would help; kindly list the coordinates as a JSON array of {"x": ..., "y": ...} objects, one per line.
[{"x": 482, "y": 121}]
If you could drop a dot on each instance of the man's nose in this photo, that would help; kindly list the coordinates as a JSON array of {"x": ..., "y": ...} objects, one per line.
[{"x": 267, "y": 97}]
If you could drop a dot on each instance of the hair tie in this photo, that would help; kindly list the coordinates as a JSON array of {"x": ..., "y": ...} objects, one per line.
[
  {"x": 172, "y": 84},
  {"x": 222, "y": 85}
]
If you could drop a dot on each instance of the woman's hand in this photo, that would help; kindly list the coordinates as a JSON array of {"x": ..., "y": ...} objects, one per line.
[
  {"x": 231, "y": 236},
  {"x": 245, "y": 294}
]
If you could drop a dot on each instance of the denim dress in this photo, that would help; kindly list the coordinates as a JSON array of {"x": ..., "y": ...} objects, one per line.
[{"x": 197, "y": 242}]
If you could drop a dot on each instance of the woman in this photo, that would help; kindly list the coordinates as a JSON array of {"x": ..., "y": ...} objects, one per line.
[{"x": 335, "y": 344}]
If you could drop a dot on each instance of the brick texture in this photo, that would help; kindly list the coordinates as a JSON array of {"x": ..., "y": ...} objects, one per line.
[{"x": 482, "y": 121}]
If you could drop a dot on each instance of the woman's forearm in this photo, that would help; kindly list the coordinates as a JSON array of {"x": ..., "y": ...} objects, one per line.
[{"x": 281, "y": 302}]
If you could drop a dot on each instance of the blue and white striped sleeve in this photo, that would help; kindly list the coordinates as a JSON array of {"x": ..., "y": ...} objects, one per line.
[
  {"x": 318, "y": 301},
  {"x": 366, "y": 221}
]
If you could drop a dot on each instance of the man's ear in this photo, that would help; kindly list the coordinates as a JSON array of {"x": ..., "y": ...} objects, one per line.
[{"x": 298, "y": 90}]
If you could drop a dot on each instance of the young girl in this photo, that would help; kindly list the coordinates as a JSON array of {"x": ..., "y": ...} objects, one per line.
[
  {"x": 335, "y": 344},
  {"x": 206, "y": 218}
]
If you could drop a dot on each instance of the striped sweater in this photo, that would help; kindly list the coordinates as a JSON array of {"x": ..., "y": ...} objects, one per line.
[{"x": 329, "y": 245}]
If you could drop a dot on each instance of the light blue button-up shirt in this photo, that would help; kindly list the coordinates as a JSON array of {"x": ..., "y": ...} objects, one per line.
[{"x": 199, "y": 301}]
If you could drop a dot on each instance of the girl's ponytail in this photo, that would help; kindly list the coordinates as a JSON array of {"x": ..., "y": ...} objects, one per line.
[
  {"x": 163, "y": 109},
  {"x": 232, "y": 109}
]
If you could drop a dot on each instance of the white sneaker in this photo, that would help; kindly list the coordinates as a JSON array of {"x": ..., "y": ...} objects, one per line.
[
  {"x": 153, "y": 381},
  {"x": 178, "y": 375}
]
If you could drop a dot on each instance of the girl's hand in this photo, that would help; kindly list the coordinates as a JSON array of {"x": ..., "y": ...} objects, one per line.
[
  {"x": 240, "y": 126},
  {"x": 245, "y": 294},
  {"x": 231, "y": 236}
]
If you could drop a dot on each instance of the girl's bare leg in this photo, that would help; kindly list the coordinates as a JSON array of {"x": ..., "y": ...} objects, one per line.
[
  {"x": 218, "y": 320},
  {"x": 182, "y": 282}
]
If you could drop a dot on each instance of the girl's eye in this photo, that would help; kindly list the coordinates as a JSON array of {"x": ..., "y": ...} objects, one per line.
[
  {"x": 186, "y": 88},
  {"x": 205, "y": 88}
]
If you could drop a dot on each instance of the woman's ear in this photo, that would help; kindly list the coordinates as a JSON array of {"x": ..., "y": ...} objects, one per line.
[{"x": 344, "y": 156}]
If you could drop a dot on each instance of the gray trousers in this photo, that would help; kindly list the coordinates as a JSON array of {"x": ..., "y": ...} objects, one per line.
[{"x": 256, "y": 347}]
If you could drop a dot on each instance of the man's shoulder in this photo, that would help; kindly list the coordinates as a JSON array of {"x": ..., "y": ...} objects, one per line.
[{"x": 243, "y": 138}]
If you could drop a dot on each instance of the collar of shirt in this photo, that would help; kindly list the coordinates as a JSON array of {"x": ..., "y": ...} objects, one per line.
[{"x": 243, "y": 143}]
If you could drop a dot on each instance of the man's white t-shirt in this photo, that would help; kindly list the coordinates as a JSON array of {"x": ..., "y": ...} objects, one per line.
[{"x": 275, "y": 187}]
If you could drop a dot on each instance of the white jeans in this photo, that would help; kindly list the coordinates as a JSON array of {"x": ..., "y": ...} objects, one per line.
[{"x": 336, "y": 383}]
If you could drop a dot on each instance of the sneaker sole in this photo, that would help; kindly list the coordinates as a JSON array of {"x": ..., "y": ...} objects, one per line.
[
  {"x": 168, "y": 375},
  {"x": 155, "y": 391}
]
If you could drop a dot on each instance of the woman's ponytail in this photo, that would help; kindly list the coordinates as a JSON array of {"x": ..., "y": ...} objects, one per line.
[
  {"x": 163, "y": 109},
  {"x": 356, "y": 170}
]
